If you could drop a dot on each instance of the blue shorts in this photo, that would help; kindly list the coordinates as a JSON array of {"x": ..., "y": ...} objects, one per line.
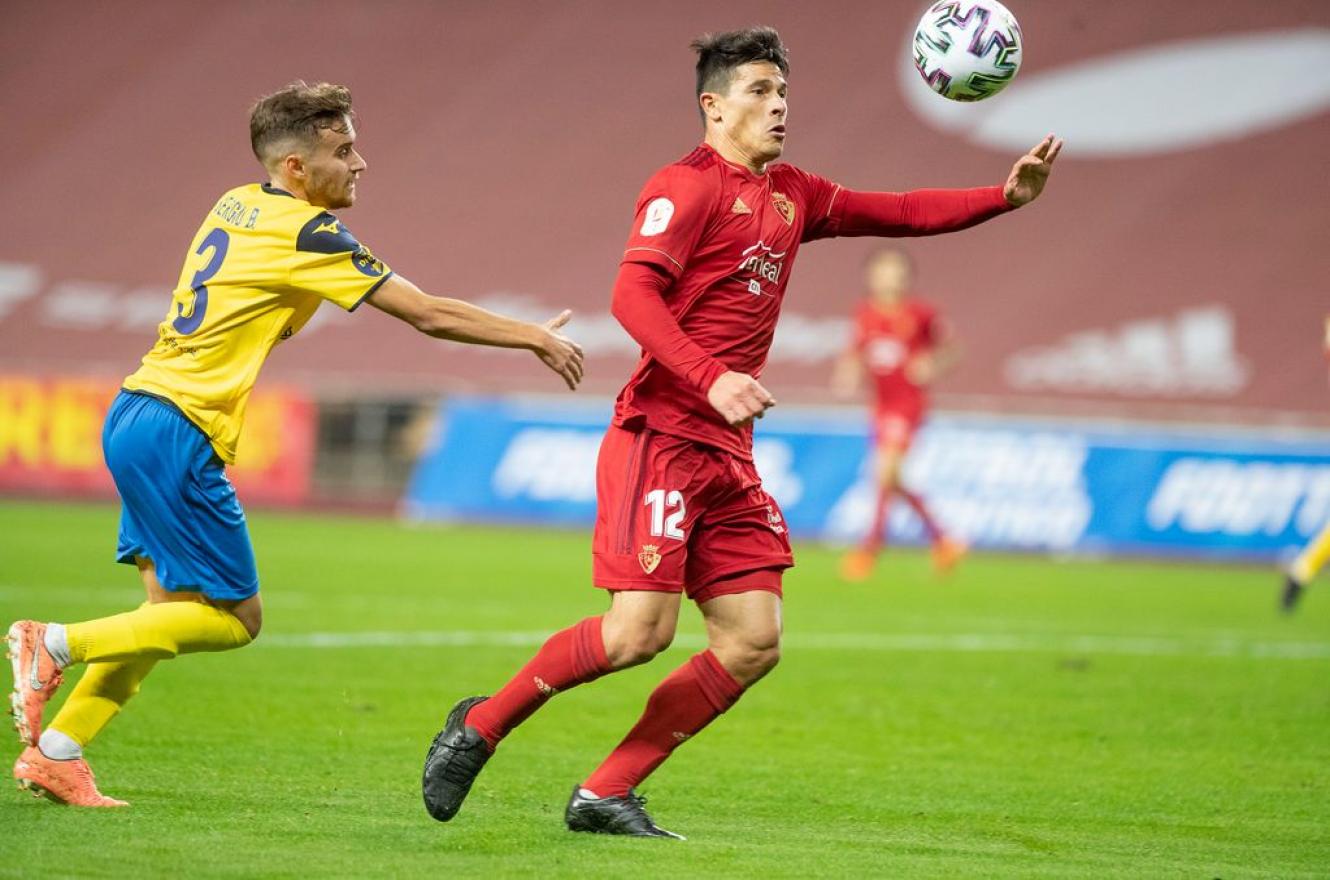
[{"x": 178, "y": 507}]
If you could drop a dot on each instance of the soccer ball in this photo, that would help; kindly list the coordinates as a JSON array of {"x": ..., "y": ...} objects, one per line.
[{"x": 967, "y": 50}]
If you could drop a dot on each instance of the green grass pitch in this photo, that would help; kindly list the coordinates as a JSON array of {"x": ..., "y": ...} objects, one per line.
[{"x": 1024, "y": 718}]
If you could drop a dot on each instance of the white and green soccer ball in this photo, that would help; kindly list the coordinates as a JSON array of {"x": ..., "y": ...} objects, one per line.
[{"x": 967, "y": 50}]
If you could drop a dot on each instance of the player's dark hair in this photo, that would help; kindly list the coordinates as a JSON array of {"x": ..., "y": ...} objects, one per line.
[
  {"x": 719, "y": 54},
  {"x": 298, "y": 110}
]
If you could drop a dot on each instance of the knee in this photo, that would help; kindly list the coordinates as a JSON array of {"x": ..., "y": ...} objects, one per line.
[
  {"x": 750, "y": 658},
  {"x": 636, "y": 644}
]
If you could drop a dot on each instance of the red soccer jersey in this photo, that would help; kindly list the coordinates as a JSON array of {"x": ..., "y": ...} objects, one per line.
[
  {"x": 887, "y": 342},
  {"x": 728, "y": 238}
]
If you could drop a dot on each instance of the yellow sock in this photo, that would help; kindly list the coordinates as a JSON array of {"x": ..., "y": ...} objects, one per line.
[
  {"x": 1312, "y": 558},
  {"x": 157, "y": 631},
  {"x": 100, "y": 694}
]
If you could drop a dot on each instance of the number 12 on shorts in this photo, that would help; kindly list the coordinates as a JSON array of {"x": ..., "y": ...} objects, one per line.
[{"x": 658, "y": 500}]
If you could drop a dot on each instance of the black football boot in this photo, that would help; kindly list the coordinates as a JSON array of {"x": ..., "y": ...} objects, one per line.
[
  {"x": 612, "y": 815},
  {"x": 455, "y": 759}
]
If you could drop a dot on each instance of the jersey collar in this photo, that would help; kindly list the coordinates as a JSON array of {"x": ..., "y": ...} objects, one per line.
[
  {"x": 742, "y": 169},
  {"x": 274, "y": 191}
]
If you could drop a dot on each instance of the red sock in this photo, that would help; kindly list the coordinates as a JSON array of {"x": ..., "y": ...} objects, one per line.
[
  {"x": 568, "y": 658},
  {"x": 877, "y": 533},
  {"x": 681, "y": 705},
  {"x": 930, "y": 525}
]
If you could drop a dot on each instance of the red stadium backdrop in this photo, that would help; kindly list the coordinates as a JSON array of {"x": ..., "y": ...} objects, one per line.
[{"x": 1176, "y": 267}]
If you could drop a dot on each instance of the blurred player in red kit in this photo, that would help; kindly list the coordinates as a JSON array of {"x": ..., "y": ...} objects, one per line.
[
  {"x": 904, "y": 346},
  {"x": 680, "y": 507}
]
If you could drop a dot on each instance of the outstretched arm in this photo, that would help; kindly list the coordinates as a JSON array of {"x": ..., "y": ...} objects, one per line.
[
  {"x": 459, "y": 321},
  {"x": 935, "y": 211}
]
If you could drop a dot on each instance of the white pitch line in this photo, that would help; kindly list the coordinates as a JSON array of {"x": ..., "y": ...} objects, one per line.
[{"x": 958, "y": 643}]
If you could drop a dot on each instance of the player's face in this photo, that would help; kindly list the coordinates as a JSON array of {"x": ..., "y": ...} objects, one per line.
[
  {"x": 888, "y": 277},
  {"x": 332, "y": 167},
  {"x": 752, "y": 112}
]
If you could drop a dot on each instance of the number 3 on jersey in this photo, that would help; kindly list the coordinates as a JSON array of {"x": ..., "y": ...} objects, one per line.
[
  {"x": 218, "y": 241},
  {"x": 658, "y": 500}
]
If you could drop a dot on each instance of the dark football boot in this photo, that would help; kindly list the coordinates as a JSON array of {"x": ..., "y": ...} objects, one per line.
[
  {"x": 612, "y": 815},
  {"x": 455, "y": 759},
  {"x": 1293, "y": 590}
]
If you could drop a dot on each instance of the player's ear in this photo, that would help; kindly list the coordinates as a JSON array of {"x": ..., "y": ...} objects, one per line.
[
  {"x": 294, "y": 165},
  {"x": 710, "y": 103}
]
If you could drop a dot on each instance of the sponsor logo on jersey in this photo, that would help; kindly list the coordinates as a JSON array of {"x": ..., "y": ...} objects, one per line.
[
  {"x": 658, "y": 214},
  {"x": 760, "y": 261},
  {"x": 885, "y": 354},
  {"x": 739, "y": 207},
  {"x": 367, "y": 263},
  {"x": 649, "y": 558},
  {"x": 784, "y": 207},
  {"x": 333, "y": 227}
]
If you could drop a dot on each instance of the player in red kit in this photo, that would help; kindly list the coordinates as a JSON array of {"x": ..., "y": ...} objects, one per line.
[
  {"x": 680, "y": 508},
  {"x": 903, "y": 345}
]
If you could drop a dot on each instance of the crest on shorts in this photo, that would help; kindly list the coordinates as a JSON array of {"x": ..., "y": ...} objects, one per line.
[
  {"x": 649, "y": 558},
  {"x": 784, "y": 207}
]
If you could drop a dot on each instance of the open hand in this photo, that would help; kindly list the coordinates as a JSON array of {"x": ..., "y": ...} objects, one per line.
[
  {"x": 558, "y": 352},
  {"x": 1031, "y": 171}
]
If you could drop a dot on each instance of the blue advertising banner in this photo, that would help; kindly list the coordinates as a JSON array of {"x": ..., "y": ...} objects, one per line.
[{"x": 998, "y": 483}]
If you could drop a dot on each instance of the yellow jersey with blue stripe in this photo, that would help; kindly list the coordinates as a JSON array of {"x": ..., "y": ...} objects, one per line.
[{"x": 257, "y": 270}]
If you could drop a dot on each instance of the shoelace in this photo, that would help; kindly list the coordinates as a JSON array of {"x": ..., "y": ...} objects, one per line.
[
  {"x": 637, "y": 803},
  {"x": 84, "y": 773}
]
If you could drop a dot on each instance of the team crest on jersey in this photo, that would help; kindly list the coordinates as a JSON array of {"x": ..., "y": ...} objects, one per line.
[
  {"x": 784, "y": 207},
  {"x": 649, "y": 558},
  {"x": 367, "y": 263}
]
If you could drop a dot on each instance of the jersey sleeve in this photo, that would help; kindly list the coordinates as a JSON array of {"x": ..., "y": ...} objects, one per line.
[
  {"x": 672, "y": 211},
  {"x": 331, "y": 263}
]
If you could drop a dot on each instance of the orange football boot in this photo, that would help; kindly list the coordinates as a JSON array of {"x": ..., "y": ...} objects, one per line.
[
  {"x": 857, "y": 565},
  {"x": 946, "y": 553},
  {"x": 36, "y": 677},
  {"x": 65, "y": 782}
]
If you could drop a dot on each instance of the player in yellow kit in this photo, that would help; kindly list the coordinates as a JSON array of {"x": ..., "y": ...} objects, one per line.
[
  {"x": 1317, "y": 552},
  {"x": 265, "y": 258}
]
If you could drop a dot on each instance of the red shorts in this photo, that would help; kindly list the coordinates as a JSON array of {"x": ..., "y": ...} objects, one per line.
[
  {"x": 895, "y": 428},
  {"x": 675, "y": 516}
]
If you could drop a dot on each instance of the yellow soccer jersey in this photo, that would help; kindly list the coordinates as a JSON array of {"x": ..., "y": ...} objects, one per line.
[{"x": 258, "y": 268}]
